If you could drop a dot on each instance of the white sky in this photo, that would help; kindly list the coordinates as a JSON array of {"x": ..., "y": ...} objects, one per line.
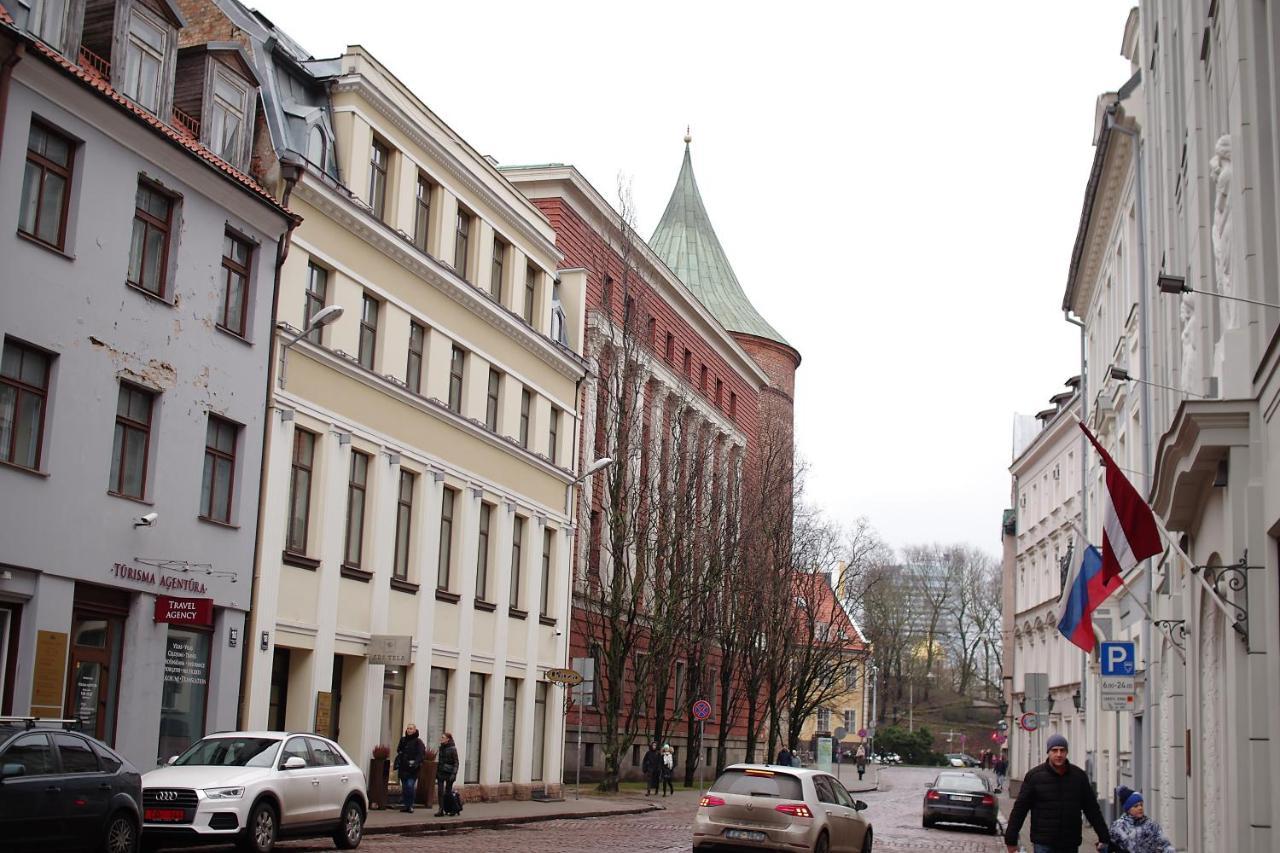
[{"x": 897, "y": 184}]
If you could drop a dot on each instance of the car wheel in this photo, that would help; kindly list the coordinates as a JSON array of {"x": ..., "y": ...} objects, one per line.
[
  {"x": 122, "y": 834},
  {"x": 926, "y": 823},
  {"x": 823, "y": 845},
  {"x": 866, "y": 842},
  {"x": 260, "y": 832},
  {"x": 350, "y": 827}
]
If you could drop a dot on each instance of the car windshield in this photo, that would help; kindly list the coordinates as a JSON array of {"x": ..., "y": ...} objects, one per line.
[
  {"x": 959, "y": 782},
  {"x": 230, "y": 752},
  {"x": 759, "y": 783}
]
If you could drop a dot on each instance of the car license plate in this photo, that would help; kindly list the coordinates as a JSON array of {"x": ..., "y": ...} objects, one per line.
[
  {"x": 745, "y": 835},
  {"x": 164, "y": 815},
  {"x": 961, "y": 798}
]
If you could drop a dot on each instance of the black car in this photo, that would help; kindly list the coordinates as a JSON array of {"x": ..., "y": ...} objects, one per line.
[
  {"x": 62, "y": 790},
  {"x": 960, "y": 797}
]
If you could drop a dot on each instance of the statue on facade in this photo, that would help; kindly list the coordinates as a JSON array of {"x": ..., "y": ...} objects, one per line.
[
  {"x": 1220, "y": 174},
  {"x": 1192, "y": 372}
]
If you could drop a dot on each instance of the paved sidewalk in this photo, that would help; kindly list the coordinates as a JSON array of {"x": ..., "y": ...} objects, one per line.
[{"x": 474, "y": 815}]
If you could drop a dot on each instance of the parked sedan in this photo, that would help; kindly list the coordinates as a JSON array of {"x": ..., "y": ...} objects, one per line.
[
  {"x": 252, "y": 788},
  {"x": 957, "y": 797},
  {"x": 62, "y": 790},
  {"x": 763, "y": 807}
]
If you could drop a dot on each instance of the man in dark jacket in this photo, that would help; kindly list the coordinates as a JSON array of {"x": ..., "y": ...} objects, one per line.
[
  {"x": 651, "y": 767},
  {"x": 784, "y": 757},
  {"x": 410, "y": 753},
  {"x": 1055, "y": 793}
]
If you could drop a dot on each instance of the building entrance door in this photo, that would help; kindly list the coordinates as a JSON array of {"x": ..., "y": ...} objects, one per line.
[{"x": 94, "y": 674}]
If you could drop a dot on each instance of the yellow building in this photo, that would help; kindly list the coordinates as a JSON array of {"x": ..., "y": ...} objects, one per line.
[{"x": 849, "y": 704}]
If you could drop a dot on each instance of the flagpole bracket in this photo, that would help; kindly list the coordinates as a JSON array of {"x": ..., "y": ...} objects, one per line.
[
  {"x": 1224, "y": 580},
  {"x": 1175, "y": 630}
]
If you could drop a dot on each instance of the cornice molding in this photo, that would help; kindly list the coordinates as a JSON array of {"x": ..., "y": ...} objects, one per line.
[
  {"x": 355, "y": 219},
  {"x": 357, "y": 84},
  {"x": 1201, "y": 435}
]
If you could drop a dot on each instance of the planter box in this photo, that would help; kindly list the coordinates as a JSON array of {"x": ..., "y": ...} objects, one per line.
[
  {"x": 425, "y": 795},
  {"x": 378, "y": 783}
]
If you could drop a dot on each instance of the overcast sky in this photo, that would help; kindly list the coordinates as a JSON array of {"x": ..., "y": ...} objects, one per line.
[{"x": 898, "y": 186}]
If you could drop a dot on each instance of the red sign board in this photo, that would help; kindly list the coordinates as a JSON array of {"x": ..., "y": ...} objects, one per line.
[{"x": 184, "y": 611}]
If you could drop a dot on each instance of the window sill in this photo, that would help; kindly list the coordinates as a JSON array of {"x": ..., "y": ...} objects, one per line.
[
  {"x": 517, "y": 613},
  {"x": 487, "y": 606},
  {"x": 34, "y": 472},
  {"x": 154, "y": 297},
  {"x": 445, "y": 595},
  {"x": 207, "y": 520},
  {"x": 142, "y": 501},
  {"x": 49, "y": 247},
  {"x": 404, "y": 586},
  {"x": 547, "y": 620},
  {"x": 302, "y": 561},
  {"x": 356, "y": 574},
  {"x": 234, "y": 335}
]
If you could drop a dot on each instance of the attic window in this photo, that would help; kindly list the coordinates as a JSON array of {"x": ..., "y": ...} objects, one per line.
[
  {"x": 144, "y": 59},
  {"x": 317, "y": 147},
  {"x": 228, "y": 127}
]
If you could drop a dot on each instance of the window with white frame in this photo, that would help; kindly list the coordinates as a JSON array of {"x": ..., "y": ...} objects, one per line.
[
  {"x": 824, "y": 719},
  {"x": 229, "y": 119},
  {"x": 144, "y": 54}
]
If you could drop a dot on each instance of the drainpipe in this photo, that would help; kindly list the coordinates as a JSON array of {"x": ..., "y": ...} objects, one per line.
[
  {"x": 6, "y": 78},
  {"x": 1084, "y": 501},
  {"x": 1144, "y": 405},
  {"x": 290, "y": 172}
]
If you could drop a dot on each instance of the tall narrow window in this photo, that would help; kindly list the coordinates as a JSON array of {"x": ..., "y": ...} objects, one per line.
[
  {"x": 651, "y": 333},
  {"x": 437, "y": 702},
  {"x": 530, "y": 291},
  {"x": 404, "y": 524},
  {"x": 143, "y": 59},
  {"x": 507, "y": 764},
  {"x": 475, "y": 726},
  {"x": 526, "y": 402},
  {"x": 462, "y": 244},
  {"x": 733, "y": 404},
  {"x": 378, "y": 158},
  {"x": 608, "y": 295},
  {"x": 491, "y": 400},
  {"x": 702, "y": 380},
  {"x": 357, "y": 482},
  {"x": 24, "y": 387},
  {"x": 671, "y": 348},
  {"x": 228, "y": 126},
  {"x": 317, "y": 294},
  {"x": 517, "y": 546},
  {"x": 688, "y": 365},
  {"x": 46, "y": 186},
  {"x": 235, "y": 279},
  {"x": 417, "y": 340},
  {"x": 132, "y": 441},
  {"x": 304, "y": 451},
  {"x": 446, "y": 538},
  {"x": 719, "y": 392},
  {"x": 553, "y": 439},
  {"x": 482, "y": 553},
  {"x": 544, "y": 594},
  {"x": 457, "y": 371},
  {"x": 219, "y": 469},
  {"x": 422, "y": 213},
  {"x": 368, "y": 331},
  {"x": 495, "y": 276},
  {"x": 149, "y": 247}
]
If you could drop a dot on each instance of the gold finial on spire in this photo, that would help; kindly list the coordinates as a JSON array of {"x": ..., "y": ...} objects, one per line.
[{"x": 688, "y": 137}]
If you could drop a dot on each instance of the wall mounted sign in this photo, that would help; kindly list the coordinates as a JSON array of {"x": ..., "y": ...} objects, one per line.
[
  {"x": 184, "y": 611},
  {"x": 50, "y": 673},
  {"x": 389, "y": 650},
  {"x": 146, "y": 577}
]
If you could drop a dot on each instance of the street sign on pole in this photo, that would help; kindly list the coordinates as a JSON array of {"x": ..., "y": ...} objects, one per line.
[
  {"x": 1115, "y": 684},
  {"x": 701, "y": 709},
  {"x": 1118, "y": 659}
]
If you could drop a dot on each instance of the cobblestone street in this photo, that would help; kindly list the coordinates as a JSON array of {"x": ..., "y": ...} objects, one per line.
[{"x": 894, "y": 810}]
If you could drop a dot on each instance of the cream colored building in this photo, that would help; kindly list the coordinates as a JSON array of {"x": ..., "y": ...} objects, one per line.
[{"x": 415, "y": 543}]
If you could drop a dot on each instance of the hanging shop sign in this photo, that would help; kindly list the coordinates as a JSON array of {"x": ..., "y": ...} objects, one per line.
[{"x": 184, "y": 611}]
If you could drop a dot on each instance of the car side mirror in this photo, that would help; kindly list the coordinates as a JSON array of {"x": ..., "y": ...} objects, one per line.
[
  {"x": 9, "y": 770},
  {"x": 293, "y": 762},
  {"x": 859, "y": 805}
]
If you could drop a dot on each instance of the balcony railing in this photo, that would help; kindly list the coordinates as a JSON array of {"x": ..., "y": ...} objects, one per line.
[
  {"x": 186, "y": 124},
  {"x": 94, "y": 64}
]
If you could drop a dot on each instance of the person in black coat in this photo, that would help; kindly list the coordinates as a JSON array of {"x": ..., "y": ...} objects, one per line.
[
  {"x": 651, "y": 767},
  {"x": 1054, "y": 794},
  {"x": 410, "y": 753},
  {"x": 784, "y": 757},
  {"x": 446, "y": 770}
]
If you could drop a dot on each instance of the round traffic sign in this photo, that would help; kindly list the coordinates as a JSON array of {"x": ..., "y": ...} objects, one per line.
[
  {"x": 1029, "y": 721},
  {"x": 701, "y": 709},
  {"x": 862, "y": 733},
  {"x": 564, "y": 676}
]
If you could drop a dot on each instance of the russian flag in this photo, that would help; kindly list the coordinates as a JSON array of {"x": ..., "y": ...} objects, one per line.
[
  {"x": 1088, "y": 587},
  {"x": 1129, "y": 531}
]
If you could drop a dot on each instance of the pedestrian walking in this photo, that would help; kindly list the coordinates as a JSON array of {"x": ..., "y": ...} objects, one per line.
[
  {"x": 861, "y": 758},
  {"x": 1054, "y": 794},
  {"x": 410, "y": 753},
  {"x": 446, "y": 772},
  {"x": 668, "y": 769},
  {"x": 1002, "y": 769},
  {"x": 784, "y": 757},
  {"x": 1133, "y": 831},
  {"x": 651, "y": 767}
]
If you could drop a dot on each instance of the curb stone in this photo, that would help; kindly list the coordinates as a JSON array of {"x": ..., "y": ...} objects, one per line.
[{"x": 482, "y": 823}]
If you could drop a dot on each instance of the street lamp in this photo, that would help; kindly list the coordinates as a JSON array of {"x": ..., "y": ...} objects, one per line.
[
  {"x": 911, "y": 701},
  {"x": 321, "y": 318},
  {"x": 1176, "y": 285},
  {"x": 1120, "y": 374}
]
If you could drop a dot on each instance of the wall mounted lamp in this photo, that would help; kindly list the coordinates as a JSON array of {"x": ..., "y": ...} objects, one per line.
[{"x": 1177, "y": 285}]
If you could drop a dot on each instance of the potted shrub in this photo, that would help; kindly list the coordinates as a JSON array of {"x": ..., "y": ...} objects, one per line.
[
  {"x": 378, "y": 772},
  {"x": 426, "y": 793}
]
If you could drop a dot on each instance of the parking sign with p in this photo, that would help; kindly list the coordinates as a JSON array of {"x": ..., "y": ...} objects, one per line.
[{"x": 1118, "y": 659}]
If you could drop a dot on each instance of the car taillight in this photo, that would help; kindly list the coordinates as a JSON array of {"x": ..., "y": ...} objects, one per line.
[
  {"x": 708, "y": 800},
  {"x": 988, "y": 800},
  {"x": 794, "y": 809},
  {"x": 932, "y": 795}
]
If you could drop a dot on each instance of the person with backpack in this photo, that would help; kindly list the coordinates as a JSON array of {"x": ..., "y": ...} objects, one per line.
[
  {"x": 668, "y": 769},
  {"x": 410, "y": 753},
  {"x": 446, "y": 773}
]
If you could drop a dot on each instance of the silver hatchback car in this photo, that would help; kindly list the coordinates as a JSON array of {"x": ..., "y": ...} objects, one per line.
[{"x": 763, "y": 807}]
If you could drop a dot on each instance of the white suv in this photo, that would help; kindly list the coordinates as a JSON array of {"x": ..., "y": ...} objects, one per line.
[{"x": 251, "y": 788}]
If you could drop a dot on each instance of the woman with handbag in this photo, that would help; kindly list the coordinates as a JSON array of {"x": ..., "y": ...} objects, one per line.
[
  {"x": 446, "y": 773},
  {"x": 410, "y": 753}
]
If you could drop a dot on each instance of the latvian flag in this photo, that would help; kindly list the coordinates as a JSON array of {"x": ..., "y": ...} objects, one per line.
[{"x": 1129, "y": 532}]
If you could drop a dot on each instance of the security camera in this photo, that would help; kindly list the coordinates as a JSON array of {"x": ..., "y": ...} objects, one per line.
[
  {"x": 146, "y": 520},
  {"x": 559, "y": 632}
]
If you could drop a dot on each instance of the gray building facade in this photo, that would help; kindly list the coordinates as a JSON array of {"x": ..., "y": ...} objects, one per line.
[{"x": 136, "y": 309}]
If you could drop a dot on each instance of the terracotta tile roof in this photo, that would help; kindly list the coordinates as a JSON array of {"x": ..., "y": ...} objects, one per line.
[
  {"x": 827, "y": 608},
  {"x": 94, "y": 80}
]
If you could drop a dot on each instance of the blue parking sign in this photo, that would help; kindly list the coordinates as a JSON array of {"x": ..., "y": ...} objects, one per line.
[{"x": 1118, "y": 658}]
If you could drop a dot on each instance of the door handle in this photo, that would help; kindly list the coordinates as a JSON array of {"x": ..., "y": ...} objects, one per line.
[
  {"x": 53, "y": 789},
  {"x": 343, "y": 779},
  {"x": 104, "y": 786}
]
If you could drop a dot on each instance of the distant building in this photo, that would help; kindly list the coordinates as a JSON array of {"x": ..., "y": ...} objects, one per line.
[{"x": 848, "y": 708}]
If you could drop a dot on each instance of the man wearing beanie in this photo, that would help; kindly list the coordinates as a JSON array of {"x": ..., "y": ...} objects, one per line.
[
  {"x": 1134, "y": 832},
  {"x": 1054, "y": 794}
]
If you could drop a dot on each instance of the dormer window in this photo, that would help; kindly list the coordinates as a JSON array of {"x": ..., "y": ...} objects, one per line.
[
  {"x": 317, "y": 147},
  {"x": 135, "y": 46},
  {"x": 228, "y": 126},
  {"x": 53, "y": 22},
  {"x": 215, "y": 99},
  {"x": 145, "y": 45}
]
